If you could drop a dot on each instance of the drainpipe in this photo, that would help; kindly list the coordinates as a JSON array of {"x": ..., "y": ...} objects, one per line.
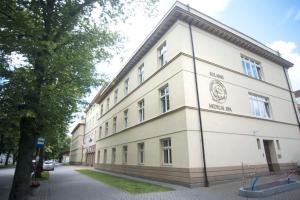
[
  {"x": 291, "y": 93},
  {"x": 206, "y": 184}
]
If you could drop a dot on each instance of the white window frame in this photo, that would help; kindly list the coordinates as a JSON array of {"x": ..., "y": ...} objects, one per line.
[
  {"x": 101, "y": 110},
  {"x": 162, "y": 52},
  {"x": 260, "y": 106},
  {"x": 105, "y": 156},
  {"x": 141, "y": 110},
  {"x": 115, "y": 124},
  {"x": 125, "y": 154},
  {"x": 106, "y": 128},
  {"x": 126, "y": 118},
  {"x": 107, "y": 103},
  {"x": 100, "y": 132},
  {"x": 113, "y": 155},
  {"x": 168, "y": 149},
  {"x": 116, "y": 96},
  {"x": 164, "y": 98},
  {"x": 141, "y": 153},
  {"x": 141, "y": 71},
  {"x": 252, "y": 68},
  {"x": 126, "y": 87}
]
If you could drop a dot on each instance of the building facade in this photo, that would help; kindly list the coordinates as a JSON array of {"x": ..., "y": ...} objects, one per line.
[
  {"x": 76, "y": 149},
  {"x": 195, "y": 104},
  {"x": 297, "y": 97}
]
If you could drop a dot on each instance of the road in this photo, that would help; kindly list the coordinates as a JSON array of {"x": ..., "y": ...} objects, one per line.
[{"x": 66, "y": 184}]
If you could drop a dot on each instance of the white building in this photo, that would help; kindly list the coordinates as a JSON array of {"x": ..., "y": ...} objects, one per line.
[{"x": 194, "y": 102}]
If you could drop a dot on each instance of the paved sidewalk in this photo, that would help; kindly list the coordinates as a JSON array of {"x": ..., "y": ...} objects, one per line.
[{"x": 67, "y": 184}]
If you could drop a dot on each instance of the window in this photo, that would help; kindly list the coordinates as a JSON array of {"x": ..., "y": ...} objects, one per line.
[
  {"x": 258, "y": 143},
  {"x": 164, "y": 99},
  {"x": 260, "y": 106},
  {"x": 126, "y": 118},
  {"x": 107, "y": 104},
  {"x": 167, "y": 151},
  {"x": 126, "y": 87},
  {"x": 141, "y": 105},
  {"x": 162, "y": 51},
  {"x": 252, "y": 68},
  {"x": 98, "y": 157},
  {"x": 101, "y": 110},
  {"x": 105, "y": 156},
  {"x": 106, "y": 128},
  {"x": 278, "y": 145},
  {"x": 141, "y": 157},
  {"x": 100, "y": 131},
  {"x": 125, "y": 148},
  {"x": 141, "y": 74},
  {"x": 115, "y": 124},
  {"x": 113, "y": 155},
  {"x": 116, "y": 96}
]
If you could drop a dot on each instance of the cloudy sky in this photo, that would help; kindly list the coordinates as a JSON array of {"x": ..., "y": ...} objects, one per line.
[{"x": 275, "y": 23}]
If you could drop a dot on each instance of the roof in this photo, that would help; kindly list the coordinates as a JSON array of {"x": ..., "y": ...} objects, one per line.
[
  {"x": 180, "y": 11},
  {"x": 81, "y": 122}
]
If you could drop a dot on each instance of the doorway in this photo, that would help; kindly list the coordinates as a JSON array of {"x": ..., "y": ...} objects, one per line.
[{"x": 271, "y": 155}]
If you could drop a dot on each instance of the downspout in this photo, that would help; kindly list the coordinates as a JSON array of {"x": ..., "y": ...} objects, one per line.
[
  {"x": 206, "y": 184},
  {"x": 291, "y": 93}
]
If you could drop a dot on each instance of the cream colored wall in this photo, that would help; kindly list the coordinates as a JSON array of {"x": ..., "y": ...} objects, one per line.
[
  {"x": 76, "y": 144},
  {"x": 230, "y": 139}
]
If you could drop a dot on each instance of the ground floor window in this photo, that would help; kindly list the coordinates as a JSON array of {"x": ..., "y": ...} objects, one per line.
[
  {"x": 105, "y": 156},
  {"x": 141, "y": 157},
  {"x": 167, "y": 151},
  {"x": 98, "y": 156},
  {"x": 113, "y": 155},
  {"x": 125, "y": 148}
]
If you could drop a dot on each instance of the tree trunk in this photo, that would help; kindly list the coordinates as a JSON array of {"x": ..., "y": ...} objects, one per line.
[
  {"x": 21, "y": 181},
  {"x": 7, "y": 158}
]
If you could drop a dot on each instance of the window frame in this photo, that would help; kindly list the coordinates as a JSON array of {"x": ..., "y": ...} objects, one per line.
[
  {"x": 141, "y": 110},
  {"x": 260, "y": 106},
  {"x": 252, "y": 68},
  {"x": 115, "y": 124},
  {"x": 125, "y": 118},
  {"x": 116, "y": 96},
  {"x": 125, "y": 154},
  {"x": 107, "y": 103},
  {"x": 113, "y": 155},
  {"x": 106, "y": 128},
  {"x": 141, "y": 74},
  {"x": 167, "y": 148},
  {"x": 164, "y": 99},
  {"x": 105, "y": 156},
  {"x": 141, "y": 151},
  {"x": 126, "y": 87},
  {"x": 100, "y": 132},
  {"x": 162, "y": 52}
]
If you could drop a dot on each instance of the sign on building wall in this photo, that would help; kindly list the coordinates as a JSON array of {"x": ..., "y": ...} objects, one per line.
[{"x": 218, "y": 93}]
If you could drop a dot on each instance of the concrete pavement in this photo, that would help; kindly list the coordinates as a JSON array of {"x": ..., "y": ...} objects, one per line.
[{"x": 67, "y": 184}]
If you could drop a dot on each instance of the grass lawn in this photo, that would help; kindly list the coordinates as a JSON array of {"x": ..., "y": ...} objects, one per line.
[
  {"x": 127, "y": 185},
  {"x": 45, "y": 176}
]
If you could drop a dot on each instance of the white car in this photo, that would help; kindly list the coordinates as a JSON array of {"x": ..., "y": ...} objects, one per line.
[{"x": 48, "y": 165}]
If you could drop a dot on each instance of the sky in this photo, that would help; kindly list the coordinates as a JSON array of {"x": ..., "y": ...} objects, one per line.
[{"x": 275, "y": 23}]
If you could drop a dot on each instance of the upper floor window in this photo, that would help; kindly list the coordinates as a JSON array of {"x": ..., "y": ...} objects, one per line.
[
  {"x": 113, "y": 155},
  {"x": 167, "y": 151},
  {"x": 115, "y": 124},
  {"x": 141, "y": 157},
  {"x": 107, "y": 104},
  {"x": 126, "y": 118},
  {"x": 164, "y": 98},
  {"x": 260, "y": 106},
  {"x": 126, "y": 86},
  {"x": 141, "y": 105},
  {"x": 106, "y": 128},
  {"x": 141, "y": 74},
  {"x": 116, "y": 96},
  {"x": 100, "y": 131},
  {"x": 162, "y": 51},
  {"x": 101, "y": 110},
  {"x": 252, "y": 68}
]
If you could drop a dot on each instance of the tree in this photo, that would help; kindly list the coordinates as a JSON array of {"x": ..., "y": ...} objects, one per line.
[{"x": 60, "y": 44}]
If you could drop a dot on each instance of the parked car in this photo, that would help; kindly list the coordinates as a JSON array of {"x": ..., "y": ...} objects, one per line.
[{"x": 48, "y": 165}]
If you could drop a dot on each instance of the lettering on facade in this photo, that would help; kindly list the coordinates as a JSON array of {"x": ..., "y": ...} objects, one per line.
[
  {"x": 218, "y": 93},
  {"x": 219, "y": 76}
]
